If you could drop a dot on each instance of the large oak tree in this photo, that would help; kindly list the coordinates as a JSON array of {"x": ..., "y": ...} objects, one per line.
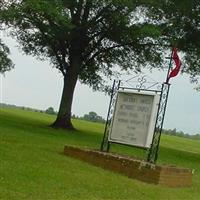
[{"x": 87, "y": 39}]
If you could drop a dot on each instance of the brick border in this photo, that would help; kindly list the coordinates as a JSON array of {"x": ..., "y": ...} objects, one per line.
[{"x": 133, "y": 168}]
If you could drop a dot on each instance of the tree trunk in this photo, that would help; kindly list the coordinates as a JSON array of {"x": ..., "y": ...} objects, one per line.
[{"x": 64, "y": 115}]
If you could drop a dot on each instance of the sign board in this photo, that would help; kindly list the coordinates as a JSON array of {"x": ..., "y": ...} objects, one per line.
[{"x": 134, "y": 118}]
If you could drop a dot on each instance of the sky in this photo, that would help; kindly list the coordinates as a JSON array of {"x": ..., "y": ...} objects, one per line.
[{"x": 34, "y": 83}]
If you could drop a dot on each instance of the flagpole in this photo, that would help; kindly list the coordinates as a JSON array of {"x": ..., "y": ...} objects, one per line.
[
  {"x": 154, "y": 149},
  {"x": 170, "y": 65},
  {"x": 165, "y": 90}
]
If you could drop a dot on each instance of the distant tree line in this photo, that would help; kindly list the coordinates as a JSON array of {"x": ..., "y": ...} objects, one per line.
[
  {"x": 50, "y": 111},
  {"x": 91, "y": 116},
  {"x": 20, "y": 107},
  {"x": 94, "y": 117},
  {"x": 180, "y": 133}
]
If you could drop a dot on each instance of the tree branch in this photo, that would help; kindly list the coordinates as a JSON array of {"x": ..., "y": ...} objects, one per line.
[
  {"x": 86, "y": 11},
  {"x": 118, "y": 46}
]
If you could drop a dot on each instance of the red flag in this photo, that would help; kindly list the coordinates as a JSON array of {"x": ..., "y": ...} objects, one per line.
[{"x": 177, "y": 61}]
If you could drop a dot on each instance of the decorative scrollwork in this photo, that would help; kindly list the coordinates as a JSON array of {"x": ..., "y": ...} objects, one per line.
[
  {"x": 158, "y": 86},
  {"x": 141, "y": 82}
]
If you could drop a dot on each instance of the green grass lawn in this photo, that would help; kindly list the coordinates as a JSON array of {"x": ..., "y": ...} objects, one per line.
[{"x": 32, "y": 165}]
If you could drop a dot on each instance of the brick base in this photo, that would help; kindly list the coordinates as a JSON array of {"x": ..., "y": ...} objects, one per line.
[{"x": 137, "y": 169}]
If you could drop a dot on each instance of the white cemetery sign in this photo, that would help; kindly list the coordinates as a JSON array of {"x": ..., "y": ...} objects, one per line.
[{"x": 134, "y": 118}]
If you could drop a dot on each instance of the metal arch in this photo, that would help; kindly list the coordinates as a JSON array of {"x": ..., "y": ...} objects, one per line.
[
  {"x": 141, "y": 85},
  {"x": 141, "y": 82}
]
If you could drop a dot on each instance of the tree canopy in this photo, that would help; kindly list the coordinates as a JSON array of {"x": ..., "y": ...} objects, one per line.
[
  {"x": 184, "y": 29},
  {"x": 87, "y": 39},
  {"x": 5, "y": 62}
]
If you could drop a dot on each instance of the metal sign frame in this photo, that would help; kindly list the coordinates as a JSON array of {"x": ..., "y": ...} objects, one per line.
[
  {"x": 141, "y": 81},
  {"x": 141, "y": 84}
]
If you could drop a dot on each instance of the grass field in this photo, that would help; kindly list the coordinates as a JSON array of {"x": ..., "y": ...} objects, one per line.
[{"x": 32, "y": 165}]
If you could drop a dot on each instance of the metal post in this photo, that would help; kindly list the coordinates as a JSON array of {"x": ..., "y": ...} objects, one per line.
[
  {"x": 114, "y": 91},
  {"x": 153, "y": 151},
  {"x": 168, "y": 87},
  {"x": 170, "y": 65},
  {"x": 107, "y": 120}
]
